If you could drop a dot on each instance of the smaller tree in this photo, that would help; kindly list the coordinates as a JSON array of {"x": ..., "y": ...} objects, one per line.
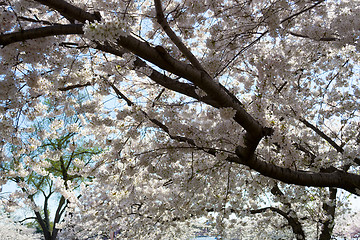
[{"x": 47, "y": 153}]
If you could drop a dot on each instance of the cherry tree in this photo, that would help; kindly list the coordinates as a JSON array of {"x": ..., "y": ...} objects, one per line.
[
  {"x": 223, "y": 109},
  {"x": 46, "y": 159}
]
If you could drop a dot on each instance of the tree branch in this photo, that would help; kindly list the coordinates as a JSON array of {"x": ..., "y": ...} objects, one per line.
[
  {"x": 161, "y": 79},
  {"x": 46, "y": 213},
  {"x": 324, "y": 39},
  {"x": 293, "y": 222},
  {"x": 264, "y": 33},
  {"x": 58, "y": 215},
  {"x": 329, "y": 208},
  {"x": 160, "y": 124},
  {"x": 74, "y": 86},
  {"x": 28, "y": 218},
  {"x": 292, "y": 217},
  {"x": 41, "y": 32},
  {"x": 37, "y": 21},
  {"x": 334, "y": 178},
  {"x": 323, "y": 135},
  {"x": 213, "y": 89},
  {"x": 39, "y": 219},
  {"x": 307, "y": 152},
  {"x": 302, "y": 11},
  {"x": 70, "y": 11},
  {"x": 175, "y": 39}
]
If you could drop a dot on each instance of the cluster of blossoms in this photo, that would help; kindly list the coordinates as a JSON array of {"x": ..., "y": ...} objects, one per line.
[
  {"x": 12, "y": 230},
  {"x": 7, "y": 18},
  {"x": 104, "y": 31}
]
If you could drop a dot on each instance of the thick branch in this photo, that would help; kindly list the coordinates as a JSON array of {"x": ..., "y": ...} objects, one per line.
[
  {"x": 329, "y": 208},
  {"x": 58, "y": 215},
  {"x": 161, "y": 79},
  {"x": 34, "y": 33},
  {"x": 70, "y": 11},
  {"x": 46, "y": 232},
  {"x": 183, "y": 88},
  {"x": 46, "y": 213},
  {"x": 213, "y": 89},
  {"x": 336, "y": 178}
]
